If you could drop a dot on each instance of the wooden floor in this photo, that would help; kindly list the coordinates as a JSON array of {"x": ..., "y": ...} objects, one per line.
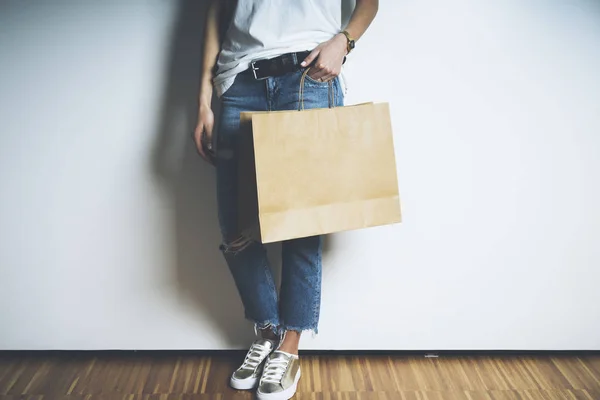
[{"x": 159, "y": 376}]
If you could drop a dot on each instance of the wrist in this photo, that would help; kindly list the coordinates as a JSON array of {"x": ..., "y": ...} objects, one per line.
[
  {"x": 350, "y": 41},
  {"x": 343, "y": 42},
  {"x": 206, "y": 92},
  {"x": 204, "y": 105}
]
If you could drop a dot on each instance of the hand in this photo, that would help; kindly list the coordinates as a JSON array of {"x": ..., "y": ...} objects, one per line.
[
  {"x": 203, "y": 133},
  {"x": 328, "y": 58}
]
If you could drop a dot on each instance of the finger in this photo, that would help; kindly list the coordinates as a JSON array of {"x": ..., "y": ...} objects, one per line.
[
  {"x": 199, "y": 145},
  {"x": 198, "y": 139},
  {"x": 329, "y": 77},
  {"x": 204, "y": 154},
  {"x": 208, "y": 142},
  {"x": 319, "y": 74},
  {"x": 310, "y": 58},
  {"x": 324, "y": 70}
]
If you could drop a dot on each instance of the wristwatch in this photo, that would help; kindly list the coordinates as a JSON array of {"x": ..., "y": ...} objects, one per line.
[{"x": 351, "y": 42}]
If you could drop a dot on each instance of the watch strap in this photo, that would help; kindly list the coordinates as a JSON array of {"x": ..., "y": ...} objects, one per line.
[{"x": 350, "y": 39}]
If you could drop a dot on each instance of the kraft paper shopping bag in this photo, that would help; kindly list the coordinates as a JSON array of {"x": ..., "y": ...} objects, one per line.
[{"x": 318, "y": 171}]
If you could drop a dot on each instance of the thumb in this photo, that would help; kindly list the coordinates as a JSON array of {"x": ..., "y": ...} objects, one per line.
[{"x": 310, "y": 58}]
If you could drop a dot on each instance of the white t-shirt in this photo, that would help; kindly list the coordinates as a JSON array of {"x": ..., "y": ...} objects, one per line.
[{"x": 268, "y": 28}]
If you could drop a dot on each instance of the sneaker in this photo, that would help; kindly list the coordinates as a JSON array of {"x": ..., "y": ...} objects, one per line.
[
  {"x": 280, "y": 377},
  {"x": 248, "y": 374}
]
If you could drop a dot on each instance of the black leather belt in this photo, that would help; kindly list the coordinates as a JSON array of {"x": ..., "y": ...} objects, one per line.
[{"x": 277, "y": 66}]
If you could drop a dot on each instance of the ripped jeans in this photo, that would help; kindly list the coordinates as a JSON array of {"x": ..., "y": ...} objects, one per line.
[{"x": 298, "y": 306}]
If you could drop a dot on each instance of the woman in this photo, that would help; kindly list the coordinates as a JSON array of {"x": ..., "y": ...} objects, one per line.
[{"x": 257, "y": 63}]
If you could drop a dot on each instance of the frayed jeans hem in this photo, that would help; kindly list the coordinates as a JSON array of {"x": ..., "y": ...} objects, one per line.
[{"x": 269, "y": 324}]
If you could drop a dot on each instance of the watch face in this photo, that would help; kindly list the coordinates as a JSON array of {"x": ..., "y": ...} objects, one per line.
[{"x": 351, "y": 44}]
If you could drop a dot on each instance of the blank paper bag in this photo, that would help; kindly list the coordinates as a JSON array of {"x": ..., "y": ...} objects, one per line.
[{"x": 318, "y": 171}]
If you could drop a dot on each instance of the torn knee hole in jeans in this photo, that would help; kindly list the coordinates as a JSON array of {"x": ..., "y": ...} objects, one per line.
[{"x": 236, "y": 245}]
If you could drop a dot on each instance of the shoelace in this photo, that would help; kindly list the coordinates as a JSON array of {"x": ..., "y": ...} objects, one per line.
[
  {"x": 274, "y": 370},
  {"x": 255, "y": 356}
]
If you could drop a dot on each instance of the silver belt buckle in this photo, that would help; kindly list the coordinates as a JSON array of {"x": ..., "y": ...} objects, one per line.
[{"x": 254, "y": 69}]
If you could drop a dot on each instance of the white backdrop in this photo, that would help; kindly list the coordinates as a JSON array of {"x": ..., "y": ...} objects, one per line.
[{"x": 109, "y": 237}]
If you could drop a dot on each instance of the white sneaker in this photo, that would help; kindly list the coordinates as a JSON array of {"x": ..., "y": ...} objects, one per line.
[
  {"x": 248, "y": 374},
  {"x": 280, "y": 377}
]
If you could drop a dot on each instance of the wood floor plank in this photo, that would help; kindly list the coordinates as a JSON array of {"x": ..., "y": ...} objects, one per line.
[
  {"x": 7, "y": 366},
  {"x": 515, "y": 370},
  {"x": 472, "y": 375},
  {"x": 451, "y": 375},
  {"x": 576, "y": 373},
  {"x": 340, "y": 377},
  {"x": 217, "y": 373},
  {"x": 491, "y": 374},
  {"x": 427, "y": 375},
  {"x": 403, "y": 374},
  {"x": 403, "y": 395},
  {"x": 167, "y": 377},
  {"x": 24, "y": 377},
  {"x": 545, "y": 372},
  {"x": 159, "y": 377},
  {"x": 593, "y": 363},
  {"x": 10, "y": 372},
  {"x": 380, "y": 374},
  {"x": 82, "y": 379},
  {"x": 183, "y": 380}
]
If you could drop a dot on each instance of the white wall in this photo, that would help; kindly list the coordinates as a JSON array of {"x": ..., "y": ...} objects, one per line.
[{"x": 108, "y": 234}]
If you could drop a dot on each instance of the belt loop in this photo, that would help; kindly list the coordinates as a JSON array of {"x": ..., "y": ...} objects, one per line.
[{"x": 295, "y": 58}]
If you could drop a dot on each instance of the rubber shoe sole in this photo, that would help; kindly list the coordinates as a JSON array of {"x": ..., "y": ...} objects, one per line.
[{"x": 243, "y": 384}]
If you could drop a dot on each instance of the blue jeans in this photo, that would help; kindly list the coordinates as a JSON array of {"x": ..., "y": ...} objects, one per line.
[{"x": 299, "y": 303}]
